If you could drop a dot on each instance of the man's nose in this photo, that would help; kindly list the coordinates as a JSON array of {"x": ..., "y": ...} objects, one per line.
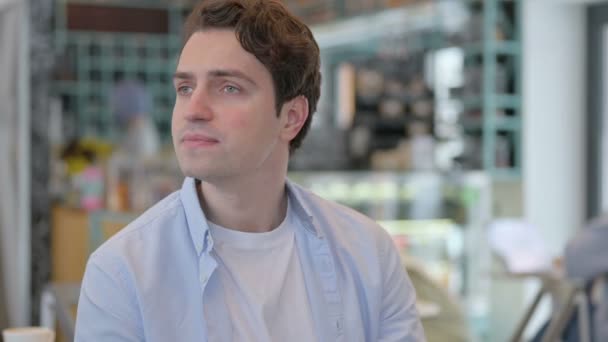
[{"x": 199, "y": 106}]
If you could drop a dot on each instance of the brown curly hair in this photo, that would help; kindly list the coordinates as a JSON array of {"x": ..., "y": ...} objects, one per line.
[{"x": 278, "y": 39}]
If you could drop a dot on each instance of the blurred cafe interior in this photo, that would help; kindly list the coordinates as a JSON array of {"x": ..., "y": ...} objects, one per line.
[{"x": 471, "y": 130}]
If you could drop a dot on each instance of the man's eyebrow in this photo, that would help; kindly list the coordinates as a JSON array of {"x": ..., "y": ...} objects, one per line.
[
  {"x": 231, "y": 73},
  {"x": 182, "y": 75}
]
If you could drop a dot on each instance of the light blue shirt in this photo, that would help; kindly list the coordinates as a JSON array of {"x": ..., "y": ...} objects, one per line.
[{"x": 152, "y": 280}]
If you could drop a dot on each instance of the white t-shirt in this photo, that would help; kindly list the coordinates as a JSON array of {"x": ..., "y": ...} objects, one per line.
[{"x": 263, "y": 283}]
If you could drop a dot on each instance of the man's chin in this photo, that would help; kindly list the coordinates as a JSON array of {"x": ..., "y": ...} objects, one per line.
[{"x": 203, "y": 173}]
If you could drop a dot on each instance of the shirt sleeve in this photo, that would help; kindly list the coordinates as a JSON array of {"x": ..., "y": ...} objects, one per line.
[
  {"x": 399, "y": 320},
  {"x": 106, "y": 309}
]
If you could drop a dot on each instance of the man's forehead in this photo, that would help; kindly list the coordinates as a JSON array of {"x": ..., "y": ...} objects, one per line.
[{"x": 218, "y": 53}]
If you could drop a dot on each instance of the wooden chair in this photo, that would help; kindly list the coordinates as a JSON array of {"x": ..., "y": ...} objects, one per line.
[{"x": 567, "y": 296}]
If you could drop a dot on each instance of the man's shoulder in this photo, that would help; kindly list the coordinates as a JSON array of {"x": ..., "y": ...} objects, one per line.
[
  {"x": 339, "y": 220},
  {"x": 351, "y": 235}
]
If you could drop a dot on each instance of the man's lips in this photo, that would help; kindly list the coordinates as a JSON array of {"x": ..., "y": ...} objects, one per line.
[{"x": 198, "y": 140}]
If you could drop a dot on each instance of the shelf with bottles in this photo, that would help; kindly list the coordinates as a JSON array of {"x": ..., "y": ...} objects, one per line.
[
  {"x": 384, "y": 102},
  {"x": 490, "y": 97},
  {"x": 504, "y": 154}
]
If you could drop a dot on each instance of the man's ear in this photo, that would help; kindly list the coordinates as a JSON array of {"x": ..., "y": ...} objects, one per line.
[{"x": 295, "y": 113}]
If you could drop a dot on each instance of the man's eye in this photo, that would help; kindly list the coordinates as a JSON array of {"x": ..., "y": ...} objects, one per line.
[
  {"x": 231, "y": 89},
  {"x": 184, "y": 90}
]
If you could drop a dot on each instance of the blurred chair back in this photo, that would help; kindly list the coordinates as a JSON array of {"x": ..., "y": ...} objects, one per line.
[
  {"x": 586, "y": 261},
  {"x": 582, "y": 310}
]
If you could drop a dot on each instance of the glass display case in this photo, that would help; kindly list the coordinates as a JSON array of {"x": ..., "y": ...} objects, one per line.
[{"x": 436, "y": 219}]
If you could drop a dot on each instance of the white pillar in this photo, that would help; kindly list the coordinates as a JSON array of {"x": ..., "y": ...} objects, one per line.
[{"x": 554, "y": 70}]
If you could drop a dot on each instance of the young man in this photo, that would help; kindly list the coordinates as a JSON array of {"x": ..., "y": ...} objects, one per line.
[{"x": 240, "y": 253}]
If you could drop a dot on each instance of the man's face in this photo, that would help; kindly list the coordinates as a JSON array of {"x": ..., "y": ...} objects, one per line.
[{"x": 224, "y": 121}]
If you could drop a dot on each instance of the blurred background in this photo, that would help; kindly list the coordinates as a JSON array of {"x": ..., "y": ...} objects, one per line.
[{"x": 472, "y": 130}]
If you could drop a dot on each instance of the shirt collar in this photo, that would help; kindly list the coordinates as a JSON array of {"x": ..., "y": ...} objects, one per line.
[
  {"x": 301, "y": 208},
  {"x": 195, "y": 217},
  {"x": 197, "y": 222}
]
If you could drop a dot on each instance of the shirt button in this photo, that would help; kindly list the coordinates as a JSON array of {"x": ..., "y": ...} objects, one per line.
[{"x": 204, "y": 279}]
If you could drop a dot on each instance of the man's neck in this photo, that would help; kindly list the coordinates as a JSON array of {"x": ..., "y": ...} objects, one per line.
[{"x": 249, "y": 205}]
